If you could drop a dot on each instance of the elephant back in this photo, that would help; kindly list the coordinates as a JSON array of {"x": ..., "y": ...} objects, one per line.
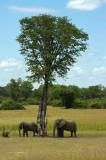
[
  {"x": 71, "y": 125},
  {"x": 31, "y": 126}
]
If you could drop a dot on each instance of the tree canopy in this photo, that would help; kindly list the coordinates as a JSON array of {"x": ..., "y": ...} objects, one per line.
[{"x": 50, "y": 45}]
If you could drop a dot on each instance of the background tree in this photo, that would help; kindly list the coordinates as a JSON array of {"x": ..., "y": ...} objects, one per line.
[
  {"x": 95, "y": 91},
  {"x": 50, "y": 45},
  {"x": 38, "y": 92},
  {"x": 26, "y": 89},
  {"x": 3, "y": 92},
  {"x": 54, "y": 92},
  {"x": 13, "y": 89},
  {"x": 67, "y": 98}
]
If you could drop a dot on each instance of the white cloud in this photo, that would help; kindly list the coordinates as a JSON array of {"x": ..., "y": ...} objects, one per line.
[
  {"x": 11, "y": 68},
  {"x": 99, "y": 71},
  {"x": 32, "y": 9},
  {"x": 79, "y": 70},
  {"x": 92, "y": 53},
  {"x": 104, "y": 58},
  {"x": 87, "y": 5},
  {"x": 10, "y": 63}
]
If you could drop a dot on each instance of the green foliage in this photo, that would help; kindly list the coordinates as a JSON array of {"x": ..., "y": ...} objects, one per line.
[
  {"x": 50, "y": 45},
  {"x": 37, "y": 93},
  {"x": 56, "y": 103},
  {"x": 19, "y": 90},
  {"x": 54, "y": 92},
  {"x": 3, "y": 92},
  {"x": 91, "y": 97},
  {"x": 11, "y": 105},
  {"x": 80, "y": 104},
  {"x": 67, "y": 98},
  {"x": 97, "y": 104},
  {"x": 26, "y": 89},
  {"x": 13, "y": 89},
  {"x": 76, "y": 90},
  {"x": 1, "y": 99},
  {"x": 90, "y": 104},
  {"x": 32, "y": 101}
]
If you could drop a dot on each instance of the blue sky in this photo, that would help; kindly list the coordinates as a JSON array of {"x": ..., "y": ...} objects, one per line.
[{"x": 89, "y": 15}]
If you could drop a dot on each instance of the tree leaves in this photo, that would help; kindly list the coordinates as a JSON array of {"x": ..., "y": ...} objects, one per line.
[{"x": 50, "y": 45}]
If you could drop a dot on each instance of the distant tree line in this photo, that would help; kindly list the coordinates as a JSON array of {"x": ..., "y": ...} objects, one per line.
[{"x": 58, "y": 95}]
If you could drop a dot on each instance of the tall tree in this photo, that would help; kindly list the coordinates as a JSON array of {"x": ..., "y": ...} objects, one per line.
[{"x": 50, "y": 45}]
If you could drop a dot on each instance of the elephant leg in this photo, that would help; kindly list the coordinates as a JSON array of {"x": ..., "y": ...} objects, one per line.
[
  {"x": 60, "y": 133},
  {"x": 75, "y": 134},
  {"x": 23, "y": 133},
  {"x": 27, "y": 133},
  {"x": 71, "y": 133},
  {"x": 57, "y": 132},
  {"x": 33, "y": 134}
]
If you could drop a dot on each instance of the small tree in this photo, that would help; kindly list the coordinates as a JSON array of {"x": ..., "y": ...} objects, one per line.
[{"x": 50, "y": 45}]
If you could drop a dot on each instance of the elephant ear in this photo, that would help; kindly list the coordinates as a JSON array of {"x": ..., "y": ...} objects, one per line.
[
  {"x": 21, "y": 125},
  {"x": 62, "y": 123}
]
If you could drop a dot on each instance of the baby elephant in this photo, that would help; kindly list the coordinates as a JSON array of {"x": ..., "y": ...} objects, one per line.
[{"x": 28, "y": 126}]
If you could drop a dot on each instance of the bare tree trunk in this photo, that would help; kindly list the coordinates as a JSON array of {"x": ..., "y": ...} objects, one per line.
[{"x": 42, "y": 125}]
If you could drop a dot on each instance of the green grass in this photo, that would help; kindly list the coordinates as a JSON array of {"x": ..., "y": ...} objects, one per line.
[
  {"x": 88, "y": 120},
  {"x": 90, "y": 143}
]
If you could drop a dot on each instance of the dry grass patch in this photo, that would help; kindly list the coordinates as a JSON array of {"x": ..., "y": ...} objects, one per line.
[{"x": 89, "y": 148}]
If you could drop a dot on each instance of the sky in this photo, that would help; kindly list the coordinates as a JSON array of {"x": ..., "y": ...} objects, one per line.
[{"x": 89, "y": 15}]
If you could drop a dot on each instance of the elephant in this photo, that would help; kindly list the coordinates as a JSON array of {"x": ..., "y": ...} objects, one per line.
[
  {"x": 28, "y": 126},
  {"x": 64, "y": 124}
]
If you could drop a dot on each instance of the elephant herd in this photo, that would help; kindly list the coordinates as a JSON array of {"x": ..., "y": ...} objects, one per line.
[{"x": 59, "y": 124}]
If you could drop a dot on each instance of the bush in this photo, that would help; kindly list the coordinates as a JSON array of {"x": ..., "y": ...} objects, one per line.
[
  {"x": 11, "y": 105},
  {"x": 104, "y": 105},
  {"x": 96, "y": 105},
  {"x": 32, "y": 101},
  {"x": 80, "y": 104},
  {"x": 56, "y": 103},
  {"x": 1, "y": 99}
]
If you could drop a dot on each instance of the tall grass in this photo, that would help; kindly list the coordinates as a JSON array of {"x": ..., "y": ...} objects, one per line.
[{"x": 87, "y": 119}]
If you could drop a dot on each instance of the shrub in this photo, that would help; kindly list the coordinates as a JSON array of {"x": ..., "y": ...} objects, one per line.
[
  {"x": 56, "y": 103},
  {"x": 80, "y": 104},
  {"x": 32, "y": 101},
  {"x": 11, "y": 105},
  {"x": 104, "y": 105},
  {"x": 96, "y": 105},
  {"x": 1, "y": 99}
]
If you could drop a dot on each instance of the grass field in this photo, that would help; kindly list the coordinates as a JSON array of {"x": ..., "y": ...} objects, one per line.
[{"x": 90, "y": 143}]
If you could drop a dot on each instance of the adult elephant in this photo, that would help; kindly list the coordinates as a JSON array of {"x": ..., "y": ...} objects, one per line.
[
  {"x": 28, "y": 126},
  {"x": 64, "y": 124}
]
